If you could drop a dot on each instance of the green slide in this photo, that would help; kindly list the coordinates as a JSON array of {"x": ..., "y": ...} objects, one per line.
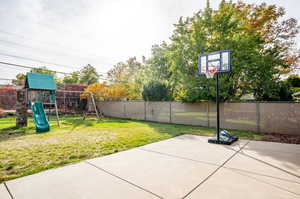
[{"x": 39, "y": 116}]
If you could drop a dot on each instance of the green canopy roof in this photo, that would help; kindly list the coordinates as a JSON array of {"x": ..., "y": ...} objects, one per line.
[{"x": 40, "y": 81}]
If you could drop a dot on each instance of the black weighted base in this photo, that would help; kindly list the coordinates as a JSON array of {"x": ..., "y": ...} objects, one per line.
[{"x": 228, "y": 141}]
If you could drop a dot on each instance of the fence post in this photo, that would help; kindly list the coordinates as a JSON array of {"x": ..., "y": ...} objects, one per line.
[
  {"x": 258, "y": 117},
  {"x": 170, "y": 112},
  {"x": 124, "y": 109},
  {"x": 145, "y": 110},
  {"x": 207, "y": 114}
]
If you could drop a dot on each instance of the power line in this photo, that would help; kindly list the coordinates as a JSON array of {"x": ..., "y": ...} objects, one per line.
[
  {"x": 35, "y": 60},
  {"x": 14, "y": 68},
  {"x": 47, "y": 43},
  {"x": 47, "y": 50},
  {"x": 30, "y": 67},
  {"x": 33, "y": 48},
  {"x": 6, "y": 79},
  {"x": 10, "y": 33},
  {"x": 41, "y": 61}
]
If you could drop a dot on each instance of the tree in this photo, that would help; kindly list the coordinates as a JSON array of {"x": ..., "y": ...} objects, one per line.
[
  {"x": 88, "y": 75},
  {"x": 156, "y": 68},
  {"x": 73, "y": 78},
  {"x": 20, "y": 79},
  {"x": 293, "y": 80},
  {"x": 43, "y": 70},
  {"x": 133, "y": 91},
  {"x": 128, "y": 74},
  {"x": 99, "y": 91},
  {"x": 155, "y": 91},
  {"x": 262, "y": 45},
  {"x": 124, "y": 72},
  {"x": 118, "y": 91}
]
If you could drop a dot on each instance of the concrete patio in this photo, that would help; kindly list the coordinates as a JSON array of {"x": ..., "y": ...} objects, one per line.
[{"x": 181, "y": 167}]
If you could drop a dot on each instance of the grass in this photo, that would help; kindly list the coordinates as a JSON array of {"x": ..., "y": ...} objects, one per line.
[{"x": 24, "y": 152}]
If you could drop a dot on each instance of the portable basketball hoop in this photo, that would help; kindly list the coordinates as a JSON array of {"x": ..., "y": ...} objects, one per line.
[{"x": 209, "y": 65}]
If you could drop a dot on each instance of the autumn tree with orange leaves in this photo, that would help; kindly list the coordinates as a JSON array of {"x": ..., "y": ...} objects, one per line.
[
  {"x": 117, "y": 91},
  {"x": 127, "y": 74}
]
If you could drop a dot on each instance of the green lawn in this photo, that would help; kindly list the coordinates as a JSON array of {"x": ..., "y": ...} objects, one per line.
[{"x": 23, "y": 151}]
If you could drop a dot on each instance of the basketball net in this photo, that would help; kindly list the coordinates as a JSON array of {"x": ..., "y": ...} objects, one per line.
[{"x": 211, "y": 70}]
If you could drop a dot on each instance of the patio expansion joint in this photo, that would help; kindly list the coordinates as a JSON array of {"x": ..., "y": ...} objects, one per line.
[
  {"x": 271, "y": 165},
  {"x": 10, "y": 194},
  {"x": 260, "y": 174},
  {"x": 215, "y": 171},
  {"x": 265, "y": 182},
  {"x": 241, "y": 152},
  {"x": 178, "y": 157},
  {"x": 116, "y": 176}
]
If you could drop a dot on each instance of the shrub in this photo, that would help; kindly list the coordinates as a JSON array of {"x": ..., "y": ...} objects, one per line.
[
  {"x": 156, "y": 91},
  {"x": 293, "y": 80},
  {"x": 295, "y": 89},
  {"x": 279, "y": 91},
  {"x": 285, "y": 92}
]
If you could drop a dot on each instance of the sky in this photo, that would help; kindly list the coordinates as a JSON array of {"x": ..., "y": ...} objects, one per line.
[{"x": 67, "y": 35}]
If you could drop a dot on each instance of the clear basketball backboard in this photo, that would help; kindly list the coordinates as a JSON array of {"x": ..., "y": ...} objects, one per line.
[{"x": 215, "y": 62}]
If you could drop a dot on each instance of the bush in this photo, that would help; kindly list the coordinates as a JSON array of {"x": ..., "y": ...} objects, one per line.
[
  {"x": 156, "y": 91},
  {"x": 293, "y": 80},
  {"x": 279, "y": 91},
  {"x": 285, "y": 92},
  {"x": 295, "y": 89}
]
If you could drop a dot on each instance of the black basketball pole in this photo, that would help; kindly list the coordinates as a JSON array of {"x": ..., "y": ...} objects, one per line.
[
  {"x": 212, "y": 65},
  {"x": 218, "y": 110}
]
